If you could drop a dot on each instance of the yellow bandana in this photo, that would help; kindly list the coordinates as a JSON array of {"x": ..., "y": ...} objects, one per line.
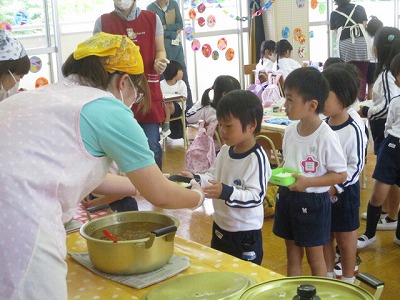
[{"x": 123, "y": 55}]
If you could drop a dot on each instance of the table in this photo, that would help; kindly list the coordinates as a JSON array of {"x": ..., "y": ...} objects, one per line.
[
  {"x": 84, "y": 284},
  {"x": 271, "y": 126}
]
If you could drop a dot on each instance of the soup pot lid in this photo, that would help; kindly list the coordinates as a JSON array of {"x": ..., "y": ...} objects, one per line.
[
  {"x": 286, "y": 288},
  {"x": 209, "y": 285}
]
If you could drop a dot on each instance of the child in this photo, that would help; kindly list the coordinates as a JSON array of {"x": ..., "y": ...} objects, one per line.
[
  {"x": 237, "y": 182},
  {"x": 172, "y": 84},
  {"x": 303, "y": 210},
  {"x": 267, "y": 61},
  {"x": 387, "y": 172},
  {"x": 206, "y": 109},
  {"x": 285, "y": 64},
  {"x": 346, "y": 199},
  {"x": 372, "y": 27},
  {"x": 387, "y": 45}
]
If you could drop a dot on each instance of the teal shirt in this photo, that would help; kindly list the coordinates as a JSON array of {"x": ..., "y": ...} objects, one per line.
[{"x": 108, "y": 128}]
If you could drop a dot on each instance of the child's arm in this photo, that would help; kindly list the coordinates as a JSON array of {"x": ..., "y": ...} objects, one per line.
[{"x": 329, "y": 179}]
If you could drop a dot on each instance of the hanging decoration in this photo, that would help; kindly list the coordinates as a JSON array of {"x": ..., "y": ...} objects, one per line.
[
  {"x": 285, "y": 32},
  {"x": 36, "y": 64},
  {"x": 41, "y": 81},
  {"x": 206, "y": 50},
  {"x": 201, "y": 21},
  {"x": 21, "y": 17},
  {"x": 229, "y": 54},
  {"x": 211, "y": 21},
  {"x": 6, "y": 26},
  {"x": 196, "y": 45},
  {"x": 222, "y": 43},
  {"x": 215, "y": 55}
]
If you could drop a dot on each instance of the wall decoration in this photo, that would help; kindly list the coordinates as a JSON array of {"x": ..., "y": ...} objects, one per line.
[
  {"x": 41, "y": 81},
  {"x": 311, "y": 34},
  {"x": 300, "y": 3},
  {"x": 222, "y": 43},
  {"x": 322, "y": 8},
  {"x": 201, "y": 8},
  {"x": 201, "y": 21},
  {"x": 301, "y": 52},
  {"x": 229, "y": 54},
  {"x": 297, "y": 32},
  {"x": 196, "y": 45},
  {"x": 21, "y": 17},
  {"x": 215, "y": 55},
  {"x": 206, "y": 50},
  {"x": 211, "y": 21},
  {"x": 36, "y": 64},
  {"x": 285, "y": 32},
  {"x": 314, "y": 4},
  {"x": 189, "y": 33},
  {"x": 192, "y": 14},
  {"x": 6, "y": 26}
]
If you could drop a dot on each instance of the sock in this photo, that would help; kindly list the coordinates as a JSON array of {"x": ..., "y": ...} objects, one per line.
[
  {"x": 389, "y": 220},
  {"x": 165, "y": 126},
  {"x": 348, "y": 280},
  {"x": 373, "y": 216},
  {"x": 330, "y": 275}
]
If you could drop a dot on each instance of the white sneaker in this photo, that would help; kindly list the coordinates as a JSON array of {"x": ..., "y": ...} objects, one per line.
[
  {"x": 363, "y": 241},
  {"x": 364, "y": 215},
  {"x": 396, "y": 241},
  {"x": 338, "y": 267},
  {"x": 383, "y": 224},
  {"x": 164, "y": 134}
]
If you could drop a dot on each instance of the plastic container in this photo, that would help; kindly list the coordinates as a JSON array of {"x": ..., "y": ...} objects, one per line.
[{"x": 280, "y": 180}]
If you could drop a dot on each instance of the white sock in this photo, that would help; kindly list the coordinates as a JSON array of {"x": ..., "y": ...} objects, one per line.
[
  {"x": 330, "y": 275},
  {"x": 348, "y": 280}
]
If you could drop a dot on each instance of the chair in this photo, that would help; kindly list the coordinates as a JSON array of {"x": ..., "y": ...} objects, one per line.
[
  {"x": 271, "y": 142},
  {"x": 248, "y": 70},
  {"x": 182, "y": 117}
]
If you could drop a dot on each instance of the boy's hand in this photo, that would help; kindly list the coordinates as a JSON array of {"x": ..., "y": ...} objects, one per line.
[
  {"x": 187, "y": 174},
  {"x": 214, "y": 190},
  {"x": 300, "y": 185}
]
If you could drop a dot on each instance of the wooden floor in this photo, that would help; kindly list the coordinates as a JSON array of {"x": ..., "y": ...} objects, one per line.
[{"x": 382, "y": 259}]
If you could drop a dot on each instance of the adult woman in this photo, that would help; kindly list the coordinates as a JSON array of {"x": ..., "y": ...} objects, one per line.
[
  {"x": 144, "y": 28},
  {"x": 171, "y": 18},
  {"x": 58, "y": 146},
  {"x": 349, "y": 22},
  {"x": 14, "y": 64}
]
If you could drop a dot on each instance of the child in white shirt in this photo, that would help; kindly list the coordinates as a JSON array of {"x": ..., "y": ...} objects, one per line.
[
  {"x": 284, "y": 60},
  {"x": 267, "y": 62},
  {"x": 172, "y": 84}
]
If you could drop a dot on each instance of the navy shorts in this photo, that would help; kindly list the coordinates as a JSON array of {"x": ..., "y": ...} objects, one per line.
[
  {"x": 345, "y": 211},
  {"x": 304, "y": 218},
  {"x": 246, "y": 245},
  {"x": 387, "y": 168},
  {"x": 377, "y": 131}
]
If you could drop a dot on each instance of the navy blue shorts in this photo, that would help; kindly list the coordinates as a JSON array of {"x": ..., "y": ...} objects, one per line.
[
  {"x": 377, "y": 131},
  {"x": 387, "y": 168},
  {"x": 304, "y": 218},
  {"x": 246, "y": 245},
  {"x": 345, "y": 211}
]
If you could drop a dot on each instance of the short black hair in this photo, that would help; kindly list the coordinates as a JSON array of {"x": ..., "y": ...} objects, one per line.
[
  {"x": 310, "y": 83},
  {"x": 332, "y": 60},
  {"x": 343, "y": 81},
  {"x": 395, "y": 66},
  {"x": 172, "y": 69},
  {"x": 342, "y": 2},
  {"x": 243, "y": 105},
  {"x": 373, "y": 25}
]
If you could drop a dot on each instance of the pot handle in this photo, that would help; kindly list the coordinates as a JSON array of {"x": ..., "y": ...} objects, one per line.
[
  {"x": 160, "y": 232},
  {"x": 371, "y": 281}
]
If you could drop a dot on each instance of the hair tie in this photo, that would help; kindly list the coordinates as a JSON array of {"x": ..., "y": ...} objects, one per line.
[{"x": 390, "y": 38}]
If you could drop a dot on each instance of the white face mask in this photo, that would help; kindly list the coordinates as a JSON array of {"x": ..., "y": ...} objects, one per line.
[
  {"x": 123, "y": 4},
  {"x": 5, "y": 94}
]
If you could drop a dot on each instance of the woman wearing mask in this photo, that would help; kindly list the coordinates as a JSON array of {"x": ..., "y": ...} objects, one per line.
[
  {"x": 14, "y": 64},
  {"x": 57, "y": 145},
  {"x": 145, "y": 29}
]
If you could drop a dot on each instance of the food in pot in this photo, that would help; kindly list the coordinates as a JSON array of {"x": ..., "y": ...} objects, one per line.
[{"x": 128, "y": 231}]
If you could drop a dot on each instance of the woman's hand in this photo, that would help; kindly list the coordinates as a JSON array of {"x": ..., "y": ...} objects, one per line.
[{"x": 160, "y": 65}]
